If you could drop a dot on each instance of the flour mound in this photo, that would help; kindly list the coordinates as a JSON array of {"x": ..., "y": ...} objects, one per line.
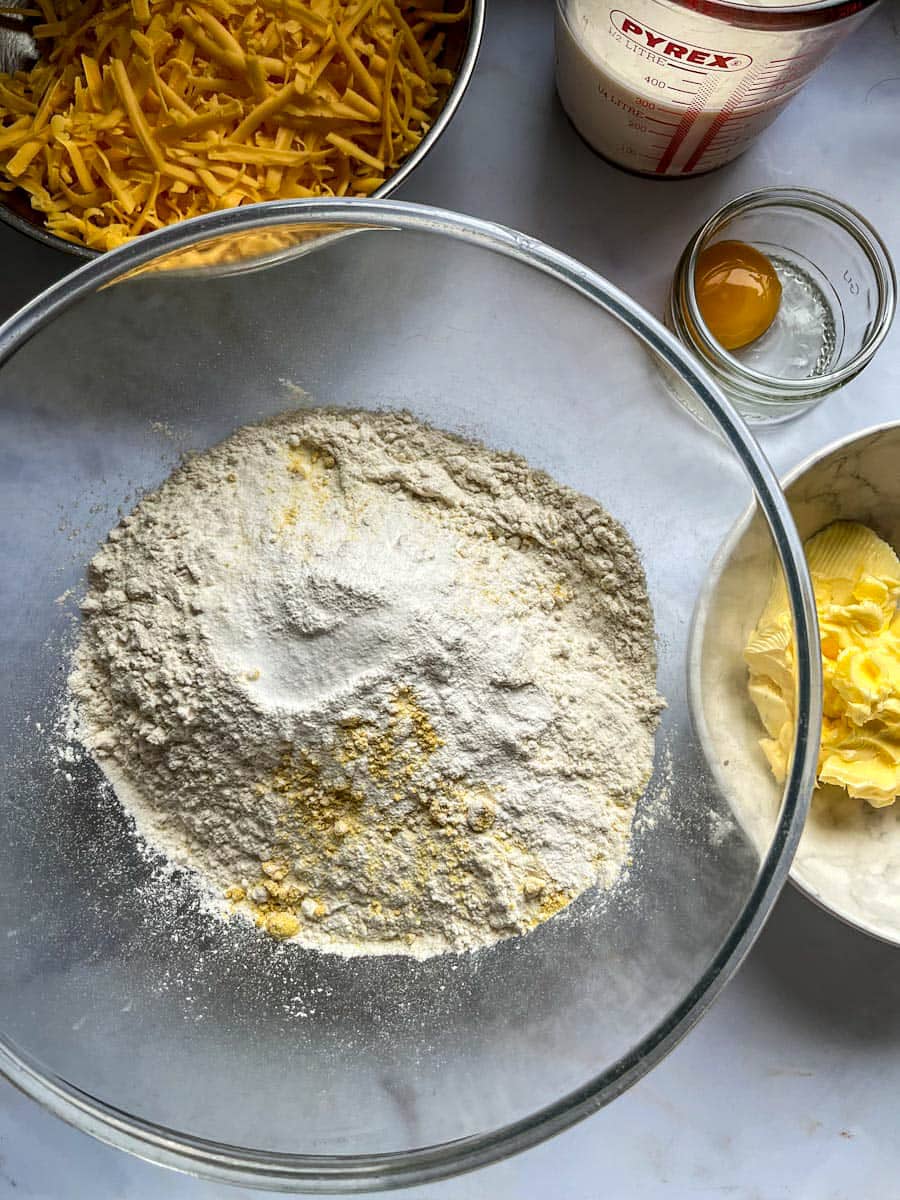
[{"x": 384, "y": 690}]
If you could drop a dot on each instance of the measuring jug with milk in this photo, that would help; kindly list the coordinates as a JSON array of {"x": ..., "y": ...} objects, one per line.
[{"x": 678, "y": 87}]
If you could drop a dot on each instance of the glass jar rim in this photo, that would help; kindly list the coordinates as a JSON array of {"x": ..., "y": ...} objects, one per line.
[{"x": 832, "y": 210}]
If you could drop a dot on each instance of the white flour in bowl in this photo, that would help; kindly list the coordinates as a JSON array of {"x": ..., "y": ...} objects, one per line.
[{"x": 384, "y": 690}]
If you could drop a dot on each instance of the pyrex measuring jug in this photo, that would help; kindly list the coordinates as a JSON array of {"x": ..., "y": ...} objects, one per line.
[{"x": 679, "y": 87}]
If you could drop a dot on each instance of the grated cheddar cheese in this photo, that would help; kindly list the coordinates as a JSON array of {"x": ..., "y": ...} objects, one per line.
[{"x": 145, "y": 113}]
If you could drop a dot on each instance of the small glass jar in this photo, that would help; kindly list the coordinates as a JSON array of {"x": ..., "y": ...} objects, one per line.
[{"x": 837, "y": 303}]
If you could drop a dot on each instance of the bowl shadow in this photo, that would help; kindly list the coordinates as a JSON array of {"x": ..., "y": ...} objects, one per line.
[{"x": 827, "y": 975}]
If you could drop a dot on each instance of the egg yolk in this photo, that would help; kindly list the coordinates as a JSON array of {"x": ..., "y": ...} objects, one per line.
[{"x": 738, "y": 292}]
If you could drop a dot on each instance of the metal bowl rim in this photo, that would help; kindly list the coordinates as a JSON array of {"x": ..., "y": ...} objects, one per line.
[{"x": 454, "y": 98}]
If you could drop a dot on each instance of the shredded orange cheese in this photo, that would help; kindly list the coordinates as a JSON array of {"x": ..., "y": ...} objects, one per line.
[{"x": 144, "y": 113}]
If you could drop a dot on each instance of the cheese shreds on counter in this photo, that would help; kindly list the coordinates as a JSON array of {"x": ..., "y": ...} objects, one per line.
[{"x": 141, "y": 114}]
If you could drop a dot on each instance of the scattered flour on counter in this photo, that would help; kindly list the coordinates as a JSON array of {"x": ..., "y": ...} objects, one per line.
[{"x": 384, "y": 690}]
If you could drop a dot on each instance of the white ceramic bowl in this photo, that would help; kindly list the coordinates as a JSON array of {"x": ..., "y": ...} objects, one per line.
[{"x": 848, "y": 860}]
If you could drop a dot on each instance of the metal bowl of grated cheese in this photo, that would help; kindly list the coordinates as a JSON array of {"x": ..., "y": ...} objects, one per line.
[
  {"x": 451, "y": 40},
  {"x": 256, "y": 1046}
]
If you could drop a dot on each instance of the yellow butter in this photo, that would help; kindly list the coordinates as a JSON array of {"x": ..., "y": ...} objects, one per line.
[{"x": 856, "y": 577}]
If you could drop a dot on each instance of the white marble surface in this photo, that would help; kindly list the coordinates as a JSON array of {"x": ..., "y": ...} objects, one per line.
[{"x": 789, "y": 1087}]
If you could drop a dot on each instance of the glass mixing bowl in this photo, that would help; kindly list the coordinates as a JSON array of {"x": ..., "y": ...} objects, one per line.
[{"x": 203, "y": 1045}]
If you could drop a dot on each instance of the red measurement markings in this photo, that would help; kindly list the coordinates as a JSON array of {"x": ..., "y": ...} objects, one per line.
[
  {"x": 775, "y": 62},
  {"x": 691, "y": 113},
  {"x": 763, "y": 85},
  {"x": 775, "y": 74},
  {"x": 726, "y": 114},
  {"x": 746, "y": 114},
  {"x": 660, "y": 121}
]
